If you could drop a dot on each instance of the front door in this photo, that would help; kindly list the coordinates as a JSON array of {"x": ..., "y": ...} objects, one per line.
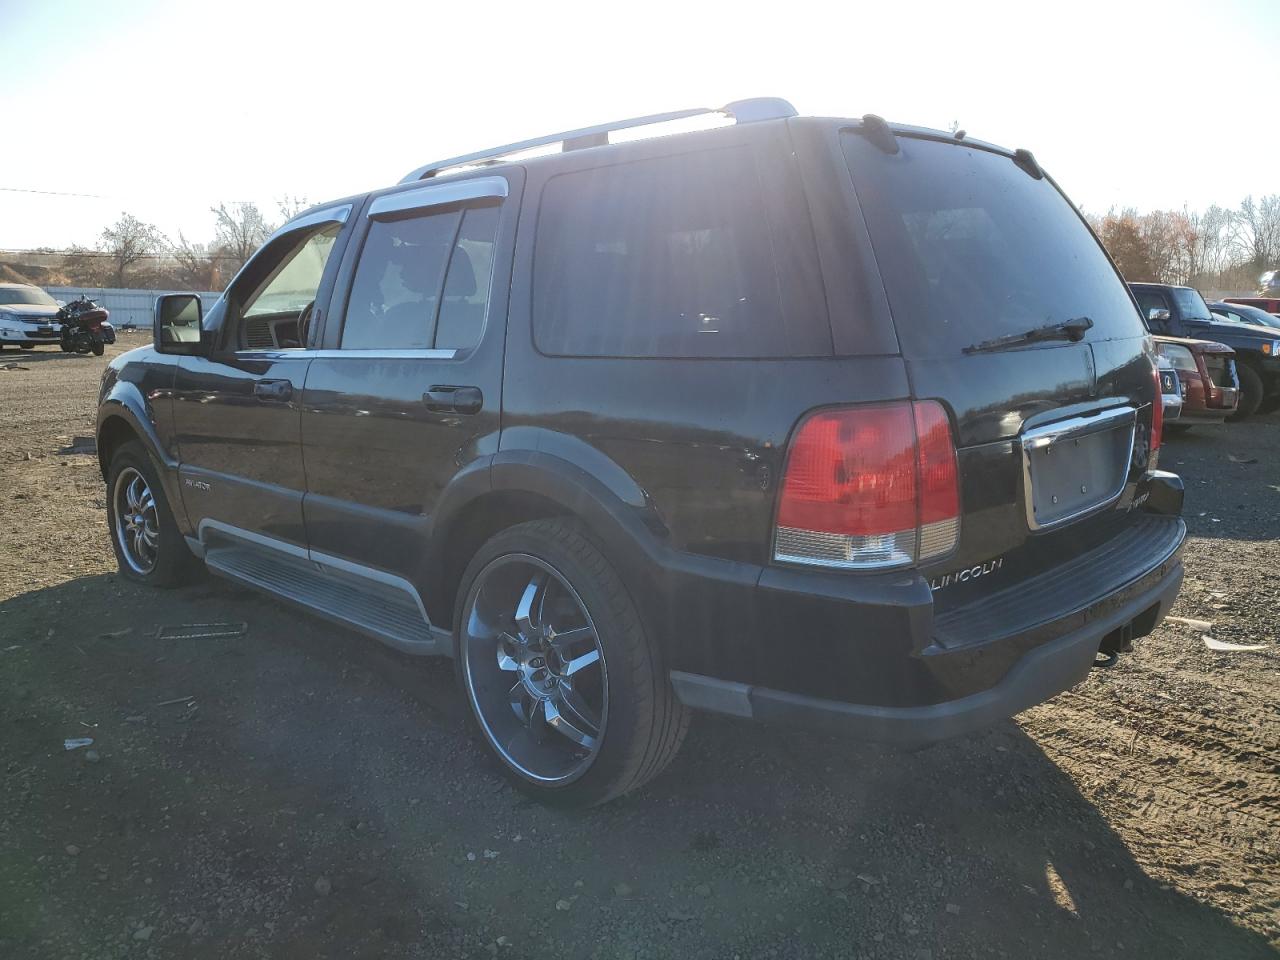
[
  {"x": 236, "y": 411},
  {"x": 407, "y": 393}
]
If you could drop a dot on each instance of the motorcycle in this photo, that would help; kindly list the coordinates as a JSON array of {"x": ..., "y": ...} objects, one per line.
[{"x": 85, "y": 328}]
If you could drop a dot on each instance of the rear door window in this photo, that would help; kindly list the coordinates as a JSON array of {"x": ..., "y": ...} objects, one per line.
[
  {"x": 971, "y": 248},
  {"x": 665, "y": 257},
  {"x": 423, "y": 281}
]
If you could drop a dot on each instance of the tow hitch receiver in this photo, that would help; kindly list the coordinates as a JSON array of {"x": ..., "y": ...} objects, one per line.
[{"x": 1118, "y": 641}]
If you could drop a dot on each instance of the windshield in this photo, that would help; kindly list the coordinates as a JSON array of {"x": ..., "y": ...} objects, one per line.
[
  {"x": 27, "y": 295},
  {"x": 1191, "y": 305},
  {"x": 971, "y": 248}
]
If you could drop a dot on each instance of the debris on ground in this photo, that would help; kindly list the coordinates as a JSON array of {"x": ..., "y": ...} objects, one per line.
[
  {"x": 75, "y": 743},
  {"x": 202, "y": 631},
  {"x": 1213, "y": 643},
  {"x": 1191, "y": 622}
]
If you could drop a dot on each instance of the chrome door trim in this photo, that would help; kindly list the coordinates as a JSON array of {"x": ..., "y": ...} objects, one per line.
[
  {"x": 476, "y": 188},
  {"x": 1075, "y": 427},
  {"x": 248, "y": 536}
]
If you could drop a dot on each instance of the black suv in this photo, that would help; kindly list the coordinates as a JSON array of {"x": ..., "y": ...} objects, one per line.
[
  {"x": 818, "y": 420},
  {"x": 1181, "y": 312}
]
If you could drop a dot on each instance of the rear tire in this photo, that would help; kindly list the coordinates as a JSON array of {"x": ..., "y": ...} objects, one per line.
[
  {"x": 145, "y": 538},
  {"x": 524, "y": 592},
  {"x": 1250, "y": 393},
  {"x": 99, "y": 349}
]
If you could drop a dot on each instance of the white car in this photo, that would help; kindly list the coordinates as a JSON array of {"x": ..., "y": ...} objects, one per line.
[{"x": 27, "y": 316}]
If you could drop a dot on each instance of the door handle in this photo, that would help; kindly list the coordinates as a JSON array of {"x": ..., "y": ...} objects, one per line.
[
  {"x": 273, "y": 389},
  {"x": 451, "y": 399}
]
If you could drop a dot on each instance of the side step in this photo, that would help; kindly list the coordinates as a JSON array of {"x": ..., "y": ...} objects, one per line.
[{"x": 382, "y": 610}]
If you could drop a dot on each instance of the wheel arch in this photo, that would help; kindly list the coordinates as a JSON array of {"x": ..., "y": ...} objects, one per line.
[{"x": 534, "y": 485}]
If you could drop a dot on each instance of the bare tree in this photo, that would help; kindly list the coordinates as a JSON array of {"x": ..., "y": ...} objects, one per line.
[
  {"x": 196, "y": 268},
  {"x": 1255, "y": 232},
  {"x": 127, "y": 242},
  {"x": 290, "y": 207},
  {"x": 239, "y": 229}
]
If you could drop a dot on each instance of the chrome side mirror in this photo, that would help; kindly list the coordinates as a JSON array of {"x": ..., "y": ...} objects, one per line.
[{"x": 178, "y": 324}]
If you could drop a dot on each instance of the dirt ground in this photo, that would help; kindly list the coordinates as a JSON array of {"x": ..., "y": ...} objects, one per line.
[{"x": 300, "y": 791}]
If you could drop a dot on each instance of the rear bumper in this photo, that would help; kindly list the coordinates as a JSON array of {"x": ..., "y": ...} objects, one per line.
[
  {"x": 874, "y": 662},
  {"x": 1039, "y": 675}
]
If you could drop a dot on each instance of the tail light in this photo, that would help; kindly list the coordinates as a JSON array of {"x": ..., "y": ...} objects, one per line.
[
  {"x": 1157, "y": 412},
  {"x": 869, "y": 488}
]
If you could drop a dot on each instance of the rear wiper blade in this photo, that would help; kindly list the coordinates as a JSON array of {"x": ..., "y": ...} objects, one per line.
[{"x": 1072, "y": 330}]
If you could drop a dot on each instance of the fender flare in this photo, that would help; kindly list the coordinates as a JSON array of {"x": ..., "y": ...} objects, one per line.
[{"x": 124, "y": 401}]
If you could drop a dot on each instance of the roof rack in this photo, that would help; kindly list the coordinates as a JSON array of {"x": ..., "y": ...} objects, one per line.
[{"x": 742, "y": 111}]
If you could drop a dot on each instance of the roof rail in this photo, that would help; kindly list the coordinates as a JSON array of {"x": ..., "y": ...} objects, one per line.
[{"x": 742, "y": 111}]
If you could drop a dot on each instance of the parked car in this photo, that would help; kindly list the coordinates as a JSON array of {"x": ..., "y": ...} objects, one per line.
[
  {"x": 1171, "y": 390},
  {"x": 1208, "y": 374},
  {"x": 1181, "y": 312},
  {"x": 1270, "y": 305},
  {"x": 27, "y": 316},
  {"x": 1243, "y": 313},
  {"x": 783, "y": 419}
]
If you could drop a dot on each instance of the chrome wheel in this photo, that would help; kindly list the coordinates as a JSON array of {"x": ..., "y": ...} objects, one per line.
[
  {"x": 137, "y": 524},
  {"x": 534, "y": 669}
]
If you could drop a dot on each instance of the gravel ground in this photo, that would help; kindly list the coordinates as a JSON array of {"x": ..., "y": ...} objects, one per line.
[{"x": 300, "y": 791}]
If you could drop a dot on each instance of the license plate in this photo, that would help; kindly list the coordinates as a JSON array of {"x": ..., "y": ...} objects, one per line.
[{"x": 1075, "y": 466}]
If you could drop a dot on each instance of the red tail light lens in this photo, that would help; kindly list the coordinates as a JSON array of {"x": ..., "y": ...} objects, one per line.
[
  {"x": 1157, "y": 412},
  {"x": 870, "y": 487}
]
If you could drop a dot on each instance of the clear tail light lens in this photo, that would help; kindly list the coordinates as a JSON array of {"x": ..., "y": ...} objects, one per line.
[{"x": 870, "y": 488}]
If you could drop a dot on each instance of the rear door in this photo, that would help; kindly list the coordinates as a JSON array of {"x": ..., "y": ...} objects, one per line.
[
  {"x": 975, "y": 250},
  {"x": 236, "y": 411},
  {"x": 407, "y": 392}
]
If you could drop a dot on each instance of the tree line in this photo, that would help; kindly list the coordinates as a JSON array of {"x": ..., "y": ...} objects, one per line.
[
  {"x": 1216, "y": 249},
  {"x": 134, "y": 253}
]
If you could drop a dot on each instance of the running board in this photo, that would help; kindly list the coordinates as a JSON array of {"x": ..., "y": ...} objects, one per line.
[{"x": 385, "y": 611}]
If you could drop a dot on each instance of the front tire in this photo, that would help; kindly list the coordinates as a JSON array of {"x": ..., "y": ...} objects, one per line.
[
  {"x": 567, "y": 690},
  {"x": 1250, "y": 393},
  {"x": 148, "y": 545}
]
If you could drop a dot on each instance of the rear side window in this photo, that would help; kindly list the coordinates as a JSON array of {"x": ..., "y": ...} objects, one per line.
[
  {"x": 667, "y": 257},
  {"x": 972, "y": 248},
  {"x": 423, "y": 281}
]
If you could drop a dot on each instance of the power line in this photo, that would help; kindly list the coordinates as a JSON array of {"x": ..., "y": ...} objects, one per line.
[{"x": 53, "y": 193}]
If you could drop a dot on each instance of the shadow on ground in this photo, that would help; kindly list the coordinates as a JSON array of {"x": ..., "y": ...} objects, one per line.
[{"x": 302, "y": 792}]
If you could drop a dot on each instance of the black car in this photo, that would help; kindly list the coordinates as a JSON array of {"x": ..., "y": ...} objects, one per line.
[
  {"x": 1243, "y": 313},
  {"x": 1174, "y": 311},
  {"x": 826, "y": 421}
]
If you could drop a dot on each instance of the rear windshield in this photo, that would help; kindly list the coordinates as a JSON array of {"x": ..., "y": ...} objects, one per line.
[
  {"x": 971, "y": 248},
  {"x": 29, "y": 295}
]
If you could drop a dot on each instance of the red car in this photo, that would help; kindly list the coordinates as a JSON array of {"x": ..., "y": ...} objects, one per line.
[
  {"x": 1269, "y": 304},
  {"x": 1210, "y": 387}
]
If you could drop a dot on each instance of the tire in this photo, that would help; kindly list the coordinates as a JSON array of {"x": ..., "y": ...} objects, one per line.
[
  {"x": 639, "y": 724},
  {"x": 99, "y": 349},
  {"x": 1250, "y": 393},
  {"x": 162, "y": 559}
]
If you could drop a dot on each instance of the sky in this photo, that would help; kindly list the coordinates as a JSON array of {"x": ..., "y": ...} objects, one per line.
[{"x": 163, "y": 109}]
